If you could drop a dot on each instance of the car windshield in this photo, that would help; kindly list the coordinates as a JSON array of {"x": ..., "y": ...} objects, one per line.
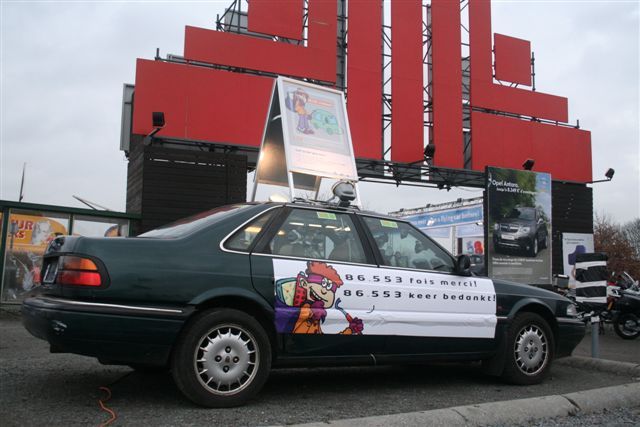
[
  {"x": 187, "y": 225},
  {"x": 522, "y": 213}
]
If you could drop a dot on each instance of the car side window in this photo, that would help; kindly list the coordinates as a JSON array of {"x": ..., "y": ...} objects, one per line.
[
  {"x": 401, "y": 245},
  {"x": 320, "y": 235},
  {"x": 243, "y": 238}
]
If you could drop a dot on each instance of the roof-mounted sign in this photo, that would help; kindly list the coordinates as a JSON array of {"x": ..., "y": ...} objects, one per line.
[{"x": 306, "y": 138}]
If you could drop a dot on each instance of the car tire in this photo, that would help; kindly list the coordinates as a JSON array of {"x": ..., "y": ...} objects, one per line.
[
  {"x": 627, "y": 326},
  {"x": 533, "y": 251},
  {"x": 529, "y": 350},
  {"x": 222, "y": 358}
]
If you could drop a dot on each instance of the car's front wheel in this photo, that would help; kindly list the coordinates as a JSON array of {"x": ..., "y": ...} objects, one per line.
[
  {"x": 222, "y": 359},
  {"x": 530, "y": 349},
  {"x": 533, "y": 249}
]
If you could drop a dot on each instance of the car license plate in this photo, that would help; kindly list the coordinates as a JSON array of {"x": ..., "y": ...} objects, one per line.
[{"x": 508, "y": 237}]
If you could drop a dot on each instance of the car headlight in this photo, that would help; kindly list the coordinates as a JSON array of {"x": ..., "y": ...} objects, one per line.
[
  {"x": 525, "y": 229},
  {"x": 496, "y": 227},
  {"x": 572, "y": 310}
]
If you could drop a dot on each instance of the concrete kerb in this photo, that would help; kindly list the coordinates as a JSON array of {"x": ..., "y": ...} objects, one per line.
[
  {"x": 507, "y": 412},
  {"x": 602, "y": 365}
]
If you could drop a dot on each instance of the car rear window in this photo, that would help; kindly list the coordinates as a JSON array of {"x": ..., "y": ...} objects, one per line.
[{"x": 187, "y": 225}]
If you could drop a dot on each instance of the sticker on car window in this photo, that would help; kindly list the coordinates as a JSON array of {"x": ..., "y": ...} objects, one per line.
[
  {"x": 326, "y": 215},
  {"x": 388, "y": 224}
]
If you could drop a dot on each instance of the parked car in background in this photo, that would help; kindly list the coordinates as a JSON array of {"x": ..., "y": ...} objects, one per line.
[
  {"x": 524, "y": 229},
  {"x": 223, "y": 297},
  {"x": 477, "y": 265}
]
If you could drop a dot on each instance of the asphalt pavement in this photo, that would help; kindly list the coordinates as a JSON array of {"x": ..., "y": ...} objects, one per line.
[{"x": 38, "y": 388}]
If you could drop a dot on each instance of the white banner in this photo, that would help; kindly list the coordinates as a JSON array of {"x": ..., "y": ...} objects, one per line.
[{"x": 329, "y": 298}]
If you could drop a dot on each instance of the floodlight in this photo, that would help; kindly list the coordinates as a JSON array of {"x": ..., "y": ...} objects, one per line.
[
  {"x": 157, "y": 117},
  {"x": 528, "y": 164},
  {"x": 609, "y": 173},
  {"x": 429, "y": 151},
  {"x": 157, "y": 120}
]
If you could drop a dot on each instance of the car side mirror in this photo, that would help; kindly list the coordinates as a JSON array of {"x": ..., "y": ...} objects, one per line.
[{"x": 463, "y": 265}]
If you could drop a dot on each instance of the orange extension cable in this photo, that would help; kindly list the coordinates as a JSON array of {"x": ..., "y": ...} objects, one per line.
[{"x": 102, "y": 402}]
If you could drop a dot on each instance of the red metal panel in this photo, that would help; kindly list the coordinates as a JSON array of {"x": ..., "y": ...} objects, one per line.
[
  {"x": 276, "y": 17},
  {"x": 500, "y": 141},
  {"x": 200, "y": 103},
  {"x": 316, "y": 61},
  {"x": 513, "y": 59},
  {"x": 364, "y": 77},
  {"x": 486, "y": 94},
  {"x": 447, "y": 88},
  {"x": 407, "y": 114}
]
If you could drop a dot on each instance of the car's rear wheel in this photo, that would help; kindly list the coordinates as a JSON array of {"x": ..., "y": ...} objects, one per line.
[
  {"x": 530, "y": 349},
  {"x": 627, "y": 326},
  {"x": 222, "y": 359}
]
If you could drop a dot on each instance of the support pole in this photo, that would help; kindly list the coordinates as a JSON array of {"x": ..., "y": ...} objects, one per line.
[{"x": 595, "y": 337}]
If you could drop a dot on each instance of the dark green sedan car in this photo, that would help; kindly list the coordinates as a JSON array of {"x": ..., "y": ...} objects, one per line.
[{"x": 222, "y": 297}]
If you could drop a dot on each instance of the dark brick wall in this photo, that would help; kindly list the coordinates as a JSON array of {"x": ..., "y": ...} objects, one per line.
[{"x": 166, "y": 184}]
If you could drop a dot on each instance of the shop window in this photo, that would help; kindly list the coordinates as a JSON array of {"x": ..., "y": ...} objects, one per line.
[{"x": 28, "y": 234}]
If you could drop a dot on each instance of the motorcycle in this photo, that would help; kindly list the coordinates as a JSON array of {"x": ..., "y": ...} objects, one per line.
[{"x": 624, "y": 306}]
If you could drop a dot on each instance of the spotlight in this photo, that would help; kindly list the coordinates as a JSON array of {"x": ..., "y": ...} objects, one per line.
[
  {"x": 157, "y": 117},
  {"x": 429, "y": 151},
  {"x": 157, "y": 120},
  {"x": 528, "y": 164},
  {"x": 609, "y": 173}
]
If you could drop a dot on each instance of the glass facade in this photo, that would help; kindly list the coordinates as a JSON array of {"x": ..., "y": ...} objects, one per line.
[{"x": 25, "y": 232}]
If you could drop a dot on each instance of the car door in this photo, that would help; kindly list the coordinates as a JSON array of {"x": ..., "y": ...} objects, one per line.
[
  {"x": 426, "y": 308},
  {"x": 305, "y": 266}
]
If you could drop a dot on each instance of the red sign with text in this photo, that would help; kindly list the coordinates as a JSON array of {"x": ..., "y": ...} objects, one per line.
[{"x": 230, "y": 108}]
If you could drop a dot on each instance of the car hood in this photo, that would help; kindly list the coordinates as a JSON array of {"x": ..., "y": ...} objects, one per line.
[
  {"x": 513, "y": 288},
  {"x": 515, "y": 221}
]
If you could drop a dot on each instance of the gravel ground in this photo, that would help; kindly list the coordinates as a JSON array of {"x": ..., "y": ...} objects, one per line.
[
  {"x": 39, "y": 388},
  {"x": 622, "y": 417}
]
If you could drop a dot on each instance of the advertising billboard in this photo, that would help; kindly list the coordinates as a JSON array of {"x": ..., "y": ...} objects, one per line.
[{"x": 519, "y": 225}]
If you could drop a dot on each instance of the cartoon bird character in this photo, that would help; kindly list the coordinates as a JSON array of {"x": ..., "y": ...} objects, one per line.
[{"x": 314, "y": 293}]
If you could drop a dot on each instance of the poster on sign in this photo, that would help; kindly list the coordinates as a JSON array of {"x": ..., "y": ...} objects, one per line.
[
  {"x": 574, "y": 244},
  {"x": 315, "y": 297},
  {"x": 519, "y": 225},
  {"x": 306, "y": 138},
  {"x": 316, "y": 130}
]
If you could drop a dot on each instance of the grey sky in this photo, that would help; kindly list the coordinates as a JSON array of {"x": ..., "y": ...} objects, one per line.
[{"x": 63, "y": 65}]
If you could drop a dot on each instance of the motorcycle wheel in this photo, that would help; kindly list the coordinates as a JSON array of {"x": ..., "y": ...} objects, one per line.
[{"x": 627, "y": 326}]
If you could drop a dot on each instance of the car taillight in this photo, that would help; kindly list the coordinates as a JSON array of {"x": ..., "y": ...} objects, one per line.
[{"x": 78, "y": 271}]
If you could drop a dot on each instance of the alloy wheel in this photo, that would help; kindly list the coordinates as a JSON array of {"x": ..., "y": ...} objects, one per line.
[
  {"x": 531, "y": 350},
  {"x": 226, "y": 359}
]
